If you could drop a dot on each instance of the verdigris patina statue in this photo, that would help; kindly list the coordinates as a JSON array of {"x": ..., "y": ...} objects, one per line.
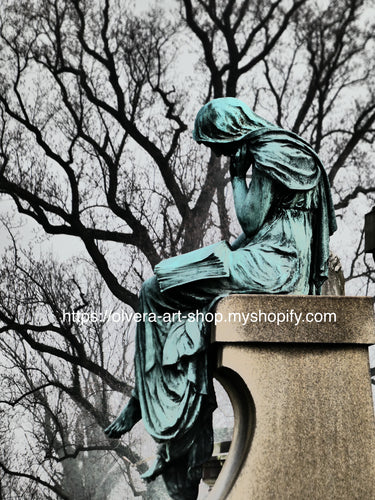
[{"x": 287, "y": 216}]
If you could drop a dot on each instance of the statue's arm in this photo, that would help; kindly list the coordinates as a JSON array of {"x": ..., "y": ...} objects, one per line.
[{"x": 252, "y": 203}]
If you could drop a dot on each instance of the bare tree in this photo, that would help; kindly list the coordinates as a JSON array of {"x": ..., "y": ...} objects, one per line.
[
  {"x": 56, "y": 375},
  {"x": 95, "y": 110}
]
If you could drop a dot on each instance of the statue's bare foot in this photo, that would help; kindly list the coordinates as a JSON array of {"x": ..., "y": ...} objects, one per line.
[{"x": 129, "y": 416}]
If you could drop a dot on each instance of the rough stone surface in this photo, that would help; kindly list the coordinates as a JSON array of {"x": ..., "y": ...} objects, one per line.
[
  {"x": 354, "y": 319},
  {"x": 304, "y": 422}
]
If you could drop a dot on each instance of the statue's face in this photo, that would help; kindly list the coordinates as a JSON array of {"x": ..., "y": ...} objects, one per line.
[{"x": 224, "y": 148}]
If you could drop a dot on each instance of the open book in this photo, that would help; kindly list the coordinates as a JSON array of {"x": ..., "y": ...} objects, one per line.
[{"x": 204, "y": 263}]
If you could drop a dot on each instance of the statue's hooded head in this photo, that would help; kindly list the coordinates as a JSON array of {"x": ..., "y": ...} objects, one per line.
[{"x": 226, "y": 119}]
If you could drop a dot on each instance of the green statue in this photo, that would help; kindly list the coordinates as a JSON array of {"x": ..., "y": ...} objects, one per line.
[{"x": 287, "y": 216}]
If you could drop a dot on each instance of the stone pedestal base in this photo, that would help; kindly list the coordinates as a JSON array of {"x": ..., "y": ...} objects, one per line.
[{"x": 304, "y": 421}]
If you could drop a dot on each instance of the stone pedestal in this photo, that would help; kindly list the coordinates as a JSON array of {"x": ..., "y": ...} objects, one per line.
[{"x": 304, "y": 421}]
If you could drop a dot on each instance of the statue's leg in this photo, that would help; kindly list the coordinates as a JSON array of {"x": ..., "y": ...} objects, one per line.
[
  {"x": 151, "y": 300},
  {"x": 181, "y": 481},
  {"x": 150, "y": 338}
]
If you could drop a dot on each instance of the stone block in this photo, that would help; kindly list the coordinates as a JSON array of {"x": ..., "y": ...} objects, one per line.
[{"x": 304, "y": 421}]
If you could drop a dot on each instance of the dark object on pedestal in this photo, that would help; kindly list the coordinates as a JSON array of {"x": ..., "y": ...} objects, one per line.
[{"x": 370, "y": 233}]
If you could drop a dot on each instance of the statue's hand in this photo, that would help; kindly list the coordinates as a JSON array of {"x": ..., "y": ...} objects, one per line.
[{"x": 240, "y": 162}]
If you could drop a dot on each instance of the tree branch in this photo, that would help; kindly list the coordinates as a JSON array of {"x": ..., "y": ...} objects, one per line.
[{"x": 59, "y": 492}]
